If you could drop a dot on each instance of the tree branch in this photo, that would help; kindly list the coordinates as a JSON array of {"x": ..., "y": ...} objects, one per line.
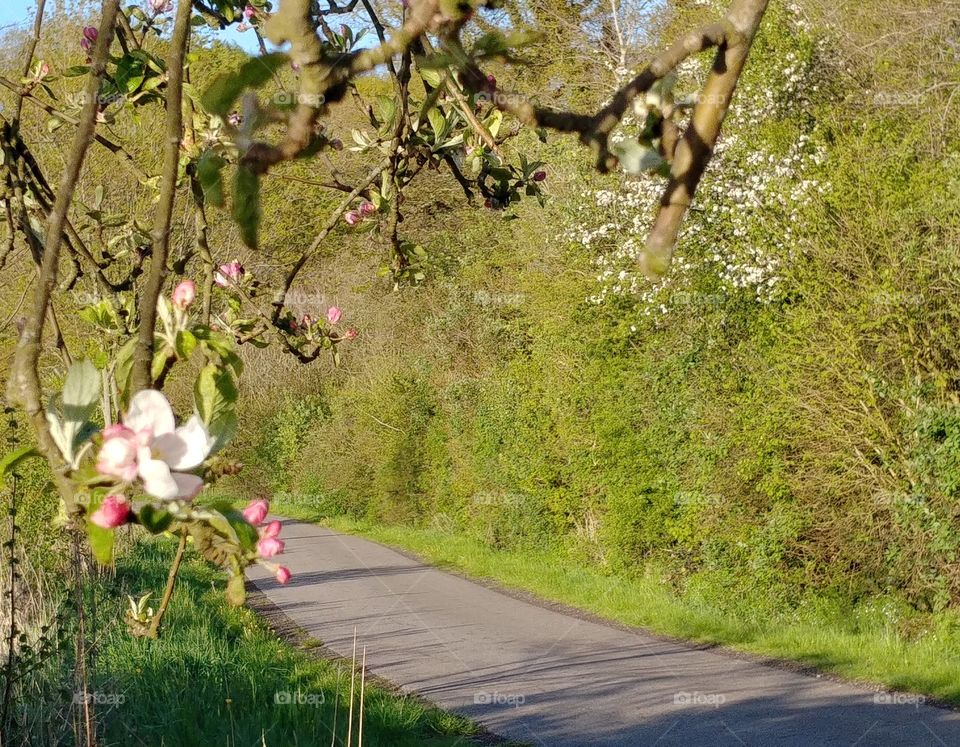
[
  {"x": 143, "y": 352},
  {"x": 25, "y": 378}
]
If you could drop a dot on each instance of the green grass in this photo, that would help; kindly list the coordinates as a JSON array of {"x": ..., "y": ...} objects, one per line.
[
  {"x": 849, "y": 643},
  {"x": 213, "y": 676}
]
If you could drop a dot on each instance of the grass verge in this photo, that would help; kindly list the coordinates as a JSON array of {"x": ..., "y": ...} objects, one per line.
[
  {"x": 219, "y": 675},
  {"x": 851, "y": 644}
]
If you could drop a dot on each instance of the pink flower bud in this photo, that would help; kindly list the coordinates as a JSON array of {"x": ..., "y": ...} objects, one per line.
[
  {"x": 256, "y": 511},
  {"x": 241, "y": 27},
  {"x": 271, "y": 530},
  {"x": 352, "y": 218},
  {"x": 336, "y": 144},
  {"x": 267, "y": 547},
  {"x": 44, "y": 70},
  {"x": 249, "y": 12},
  {"x": 113, "y": 512},
  {"x": 367, "y": 209},
  {"x": 539, "y": 176},
  {"x": 491, "y": 82},
  {"x": 118, "y": 455},
  {"x": 229, "y": 274},
  {"x": 184, "y": 294},
  {"x": 161, "y": 6},
  {"x": 333, "y": 314},
  {"x": 90, "y": 33},
  {"x": 350, "y": 334},
  {"x": 306, "y": 321},
  {"x": 283, "y": 574}
]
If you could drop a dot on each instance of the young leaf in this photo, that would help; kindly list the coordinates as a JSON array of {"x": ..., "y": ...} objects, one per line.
[{"x": 224, "y": 91}]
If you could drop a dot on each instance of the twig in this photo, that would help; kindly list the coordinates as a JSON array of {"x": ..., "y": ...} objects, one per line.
[
  {"x": 168, "y": 589},
  {"x": 143, "y": 352}
]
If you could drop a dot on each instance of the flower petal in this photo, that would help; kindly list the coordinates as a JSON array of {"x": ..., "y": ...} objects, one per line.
[
  {"x": 187, "y": 447},
  {"x": 187, "y": 485},
  {"x": 157, "y": 480},
  {"x": 149, "y": 409}
]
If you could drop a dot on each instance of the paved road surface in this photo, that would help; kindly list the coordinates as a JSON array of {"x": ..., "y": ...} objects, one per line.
[{"x": 541, "y": 676}]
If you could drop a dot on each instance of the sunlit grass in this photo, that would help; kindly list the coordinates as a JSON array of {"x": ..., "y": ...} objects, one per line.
[{"x": 217, "y": 673}]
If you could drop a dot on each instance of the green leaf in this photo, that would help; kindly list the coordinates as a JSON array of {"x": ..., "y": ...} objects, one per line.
[
  {"x": 432, "y": 77},
  {"x": 241, "y": 531},
  {"x": 246, "y": 204},
  {"x": 438, "y": 123},
  {"x": 224, "y": 91},
  {"x": 209, "y": 169},
  {"x": 12, "y": 460},
  {"x": 76, "y": 71},
  {"x": 153, "y": 519},
  {"x": 385, "y": 108},
  {"x": 186, "y": 343},
  {"x": 81, "y": 391},
  {"x": 130, "y": 73},
  {"x": 101, "y": 542}
]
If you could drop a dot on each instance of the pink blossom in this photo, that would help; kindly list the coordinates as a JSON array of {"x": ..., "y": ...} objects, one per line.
[
  {"x": 283, "y": 574},
  {"x": 90, "y": 35},
  {"x": 229, "y": 274},
  {"x": 367, "y": 209},
  {"x": 148, "y": 445},
  {"x": 241, "y": 27},
  {"x": 352, "y": 218},
  {"x": 333, "y": 314},
  {"x": 161, "y": 6},
  {"x": 539, "y": 176},
  {"x": 270, "y": 530},
  {"x": 44, "y": 70},
  {"x": 256, "y": 511},
  {"x": 118, "y": 455},
  {"x": 112, "y": 513},
  {"x": 249, "y": 12},
  {"x": 350, "y": 334},
  {"x": 184, "y": 294},
  {"x": 267, "y": 547}
]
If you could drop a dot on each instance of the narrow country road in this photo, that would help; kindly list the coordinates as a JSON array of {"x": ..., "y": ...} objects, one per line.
[{"x": 543, "y": 677}]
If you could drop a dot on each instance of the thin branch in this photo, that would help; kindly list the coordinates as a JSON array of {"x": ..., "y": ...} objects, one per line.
[
  {"x": 143, "y": 352},
  {"x": 25, "y": 378}
]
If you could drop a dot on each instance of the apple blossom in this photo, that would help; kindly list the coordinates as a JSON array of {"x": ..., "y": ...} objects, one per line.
[
  {"x": 161, "y": 6},
  {"x": 539, "y": 176},
  {"x": 256, "y": 511},
  {"x": 118, "y": 455},
  {"x": 333, "y": 314},
  {"x": 184, "y": 294},
  {"x": 113, "y": 512},
  {"x": 161, "y": 448},
  {"x": 267, "y": 547},
  {"x": 367, "y": 209},
  {"x": 249, "y": 12},
  {"x": 350, "y": 334},
  {"x": 283, "y": 574},
  {"x": 229, "y": 274},
  {"x": 352, "y": 217}
]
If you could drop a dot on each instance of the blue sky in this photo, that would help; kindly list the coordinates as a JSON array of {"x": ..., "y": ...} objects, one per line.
[{"x": 20, "y": 13}]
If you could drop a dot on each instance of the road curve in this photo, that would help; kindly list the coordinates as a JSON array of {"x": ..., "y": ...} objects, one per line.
[{"x": 540, "y": 676}]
